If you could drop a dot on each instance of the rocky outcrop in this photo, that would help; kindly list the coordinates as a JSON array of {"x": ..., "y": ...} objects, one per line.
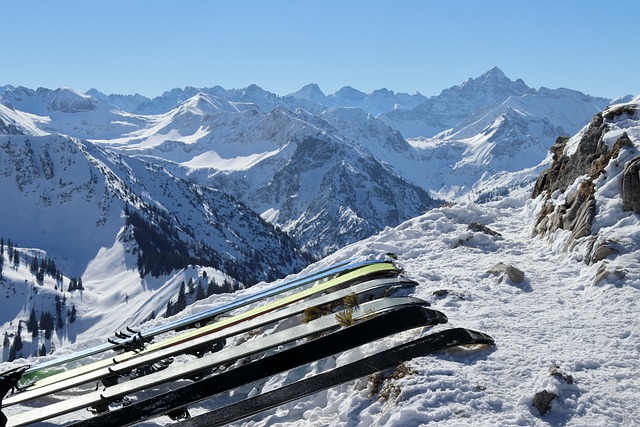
[
  {"x": 590, "y": 159},
  {"x": 565, "y": 169}
]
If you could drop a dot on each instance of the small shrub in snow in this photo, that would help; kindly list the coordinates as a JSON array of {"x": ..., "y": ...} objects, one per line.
[
  {"x": 345, "y": 318},
  {"x": 313, "y": 313},
  {"x": 386, "y": 387},
  {"x": 351, "y": 300}
]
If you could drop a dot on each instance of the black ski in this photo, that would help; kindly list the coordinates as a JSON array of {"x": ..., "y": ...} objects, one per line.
[{"x": 367, "y": 366}]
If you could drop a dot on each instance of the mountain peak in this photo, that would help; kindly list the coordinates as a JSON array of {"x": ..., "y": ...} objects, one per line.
[
  {"x": 311, "y": 92},
  {"x": 347, "y": 92},
  {"x": 494, "y": 73},
  {"x": 493, "y": 84}
]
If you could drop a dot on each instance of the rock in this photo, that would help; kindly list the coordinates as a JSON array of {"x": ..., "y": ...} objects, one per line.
[
  {"x": 478, "y": 227},
  {"x": 602, "y": 251},
  {"x": 555, "y": 371},
  {"x": 631, "y": 185},
  {"x": 542, "y": 401},
  {"x": 514, "y": 274},
  {"x": 604, "y": 272}
]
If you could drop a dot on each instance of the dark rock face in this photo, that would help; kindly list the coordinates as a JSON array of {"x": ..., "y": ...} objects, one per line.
[{"x": 631, "y": 186}]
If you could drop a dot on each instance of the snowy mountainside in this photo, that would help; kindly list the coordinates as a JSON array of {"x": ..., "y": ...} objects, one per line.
[
  {"x": 85, "y": 313},
  {"x": 127, "y": 229},
  {"x": 472, "y": 159},
  {"x": 455, "y": 104},
  {"x": 70, "y": 197},
  {"x": 310, "y": 97},
  {"x": 481, "y": 124},
  {"x": 483, "y": 138},
  {"x": 327, "y": 196},
  {"x": 69, "y": 112},
  {"x": 14, "y": 122},
  {"x": 297, "y": 171},
  {"x": 291, "y": 167}
]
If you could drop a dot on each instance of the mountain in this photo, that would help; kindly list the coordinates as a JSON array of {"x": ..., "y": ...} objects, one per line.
[
  {"x": 14, "y": 122},
  {"x": 477, "y": 141},
  {"x": 67, "y": 197},
  {"x": 289, "y": 167},
  {"x": 310, "y": 92},
  {"x": 127, "y": 230},
  {"x": 455, "y": 104},
  {"x": 130, "y": 103},
  {"x": 348, "y": 96}
]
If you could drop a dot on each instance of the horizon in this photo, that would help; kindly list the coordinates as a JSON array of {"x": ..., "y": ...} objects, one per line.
[{"x": 149, "y": 47}]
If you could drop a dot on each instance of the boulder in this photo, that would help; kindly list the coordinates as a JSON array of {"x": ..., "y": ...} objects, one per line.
[
  {"x": 514, "y": 274},
  {"x": 542, "y": 401}
]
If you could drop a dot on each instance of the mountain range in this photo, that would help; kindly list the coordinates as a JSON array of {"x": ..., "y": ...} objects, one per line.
[{"x": 249, "y": 184}]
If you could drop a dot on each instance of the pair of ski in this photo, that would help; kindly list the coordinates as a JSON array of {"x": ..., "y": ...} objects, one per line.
[
  {"x": 369, "y": 330},
  {"x": 124, "y": 340},
  {"x": 378, "y": 318},
  {"x": 125, "y": 363},
  {"x": 364, "y": 272}
]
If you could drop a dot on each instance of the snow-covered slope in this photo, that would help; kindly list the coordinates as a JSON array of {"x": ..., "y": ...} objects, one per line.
[
  {"x": 14, "y": 122},
  {"x": 463, "y": 141},
  {"x": 288, "y": 167},
  {"x": 69, "y": 112},
  {"x": 127, "y": 229},
  {"x": 67, "y": 197},
  {"x": 455, "y": 104}
]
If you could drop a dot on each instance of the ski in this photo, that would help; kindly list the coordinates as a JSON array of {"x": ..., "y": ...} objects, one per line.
[
  {"x": 340, "y": 375},
  {"x": 369, "y": 329},
  {"x": 206, "y": 315},
  {"x": 127, "y": 362},
  {"x": 354, "y": 276}
]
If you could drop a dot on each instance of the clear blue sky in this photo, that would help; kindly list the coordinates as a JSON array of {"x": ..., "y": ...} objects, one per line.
[{"x": 144, "y": 46}]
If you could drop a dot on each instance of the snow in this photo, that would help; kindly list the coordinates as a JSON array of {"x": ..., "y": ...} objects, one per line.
[
  {"x": 211, "y": 159},
  {"x": 557, "y": 316}
]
